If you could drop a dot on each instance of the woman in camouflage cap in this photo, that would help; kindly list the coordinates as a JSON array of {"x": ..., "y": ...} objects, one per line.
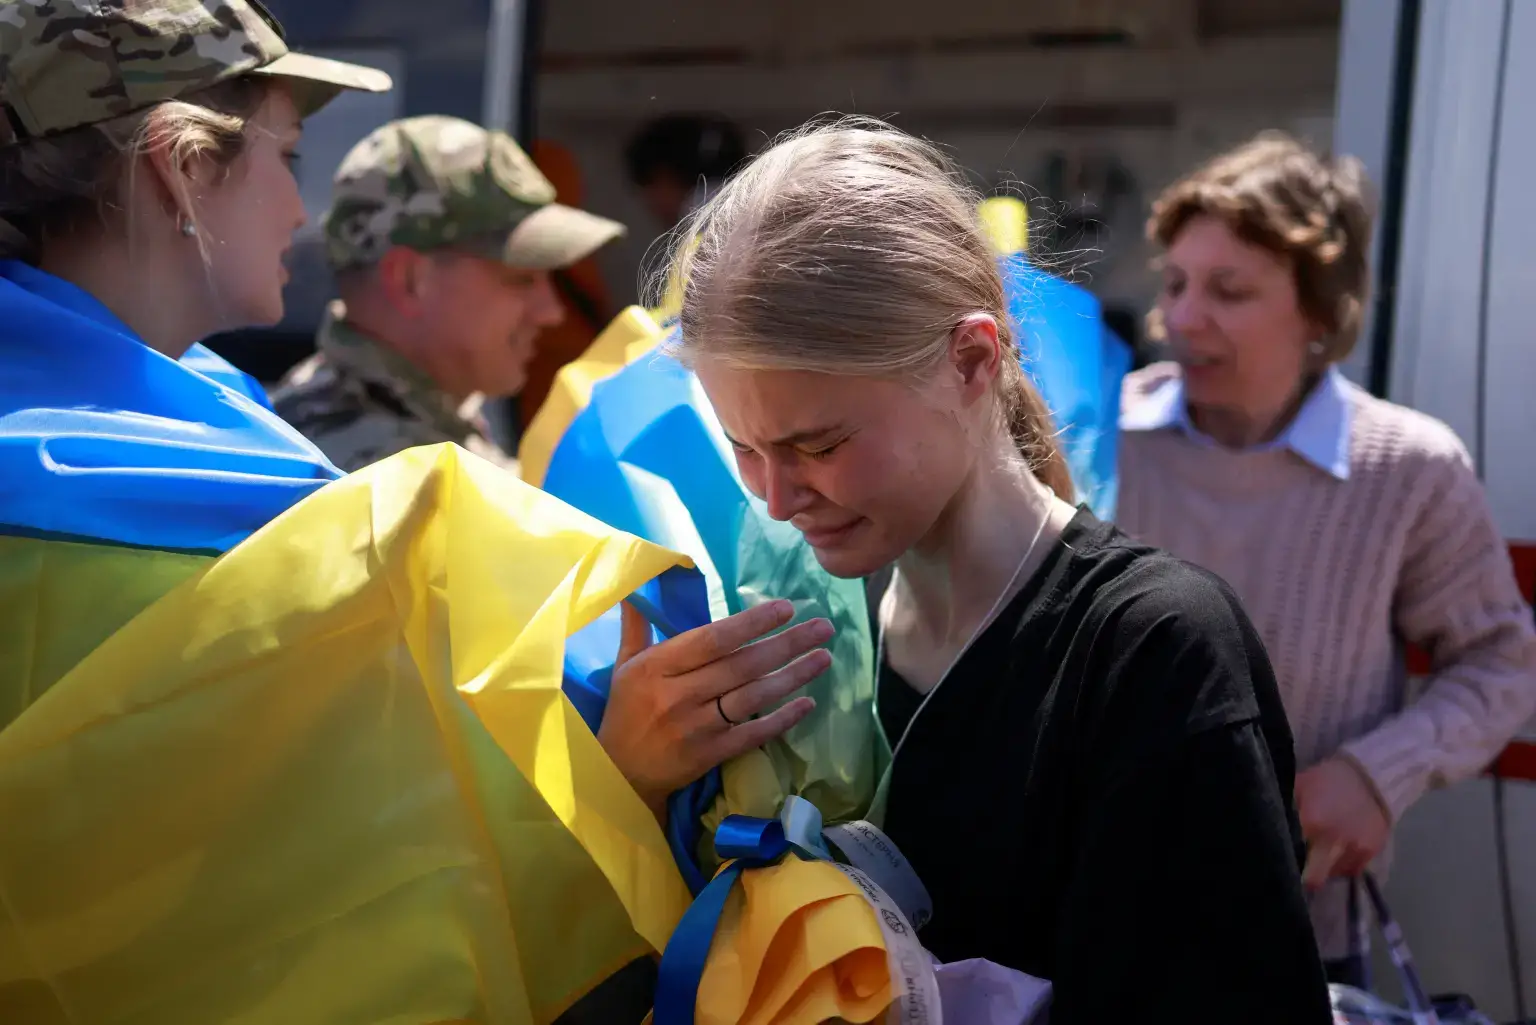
[{"x": 143, "y": 153}]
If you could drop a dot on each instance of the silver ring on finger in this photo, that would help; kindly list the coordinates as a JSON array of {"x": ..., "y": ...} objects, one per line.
[{"x": 720, "y": 707}]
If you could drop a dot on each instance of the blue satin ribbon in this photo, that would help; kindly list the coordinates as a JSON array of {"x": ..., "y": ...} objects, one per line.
[{"x": 749, "y": 843}]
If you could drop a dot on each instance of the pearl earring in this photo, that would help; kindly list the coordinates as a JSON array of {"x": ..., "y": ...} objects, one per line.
[
  {"x": 1316, "y": 348},
  {"x": 188, "y": 228}
]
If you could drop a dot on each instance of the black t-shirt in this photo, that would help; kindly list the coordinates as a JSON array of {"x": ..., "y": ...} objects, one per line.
[{"x": 1099, "y": 795}]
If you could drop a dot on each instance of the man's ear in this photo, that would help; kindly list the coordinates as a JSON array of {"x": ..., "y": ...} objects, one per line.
[
  {"x": 975, "y": 354},
  {"x": 406, "y": 278}
]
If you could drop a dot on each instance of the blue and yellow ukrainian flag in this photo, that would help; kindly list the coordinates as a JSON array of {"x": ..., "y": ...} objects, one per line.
[{"x": 279, "y": 746}]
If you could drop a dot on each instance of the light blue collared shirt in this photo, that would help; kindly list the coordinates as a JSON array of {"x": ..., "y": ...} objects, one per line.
[{"x": 1319, "y": 433}]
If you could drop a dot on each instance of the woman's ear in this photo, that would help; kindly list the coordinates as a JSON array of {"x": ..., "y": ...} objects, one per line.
[
  {"x": 1319, "y": 352},
  {"x": 976, "y": 354},
  {"x": 176, "y": 180},
  {"x": 169, "y": 186}
]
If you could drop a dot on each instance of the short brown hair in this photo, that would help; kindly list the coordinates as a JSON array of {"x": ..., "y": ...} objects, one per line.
[{"x": 1275, "y": 193}]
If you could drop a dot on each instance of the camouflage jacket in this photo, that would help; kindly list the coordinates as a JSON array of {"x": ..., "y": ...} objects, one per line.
[{"x": 360, "y": 402}]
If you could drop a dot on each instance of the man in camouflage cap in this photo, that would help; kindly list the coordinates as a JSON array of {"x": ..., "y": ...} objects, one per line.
[{"x": 442, "y": 236}]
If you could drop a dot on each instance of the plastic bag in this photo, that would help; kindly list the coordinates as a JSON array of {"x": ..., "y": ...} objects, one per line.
[
  {"x": 1352, "y": 1006},
  {"x": 978, "y": 992}
]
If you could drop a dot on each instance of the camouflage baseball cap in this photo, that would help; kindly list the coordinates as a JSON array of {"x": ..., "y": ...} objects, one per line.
[
  {"x": 438, "y": 182},
  {"x": 68, "y": 63}
]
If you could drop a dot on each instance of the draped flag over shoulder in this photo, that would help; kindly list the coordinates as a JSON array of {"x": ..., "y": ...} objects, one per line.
[
  {"x": 330, "y": 777},
  {"x": 121, "y": 472},
  {"x": 281, "y": 747}
]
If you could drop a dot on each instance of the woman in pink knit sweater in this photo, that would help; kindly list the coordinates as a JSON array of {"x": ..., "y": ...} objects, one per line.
[{"x": 1346, "y": 524}]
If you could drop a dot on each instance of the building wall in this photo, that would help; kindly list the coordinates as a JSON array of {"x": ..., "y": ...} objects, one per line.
[{"x": 1151, "y": 114}]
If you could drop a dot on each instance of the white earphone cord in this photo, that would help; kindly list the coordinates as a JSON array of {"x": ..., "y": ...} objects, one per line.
[{"x": 986, "y": 621}]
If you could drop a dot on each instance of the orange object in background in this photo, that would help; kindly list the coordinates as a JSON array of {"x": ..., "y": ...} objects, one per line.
[{"x": 580, "y": 287}]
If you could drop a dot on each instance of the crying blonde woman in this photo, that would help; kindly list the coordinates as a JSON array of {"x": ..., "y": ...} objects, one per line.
[{"x": 1093, "y": 773}]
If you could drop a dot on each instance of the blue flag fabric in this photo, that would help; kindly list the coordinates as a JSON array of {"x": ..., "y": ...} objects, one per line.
[
  {"x": 102, "y": 437},
  {"x": 594, "y": 469},
  {"x": 1078, "y": 364},
  {"x": 211, "y": 365}
]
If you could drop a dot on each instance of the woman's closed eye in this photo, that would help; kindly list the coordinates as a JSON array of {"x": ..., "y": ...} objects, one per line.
[
  {"x": 819, "y": 450},
  {"x": 822, "y": 452}
]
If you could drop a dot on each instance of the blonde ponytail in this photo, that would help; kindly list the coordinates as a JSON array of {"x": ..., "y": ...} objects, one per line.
[{"x": 1034, "y": 432}]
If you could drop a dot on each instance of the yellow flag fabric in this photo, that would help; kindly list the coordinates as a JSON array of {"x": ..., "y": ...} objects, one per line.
[
  {"x": 630, "y": 335},
  {"x": 60, "y": 599},
  {"x": 1005, "y": 222},
  {"x": 797, "y": 944},
  {"x": 330, "y": 777}
]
